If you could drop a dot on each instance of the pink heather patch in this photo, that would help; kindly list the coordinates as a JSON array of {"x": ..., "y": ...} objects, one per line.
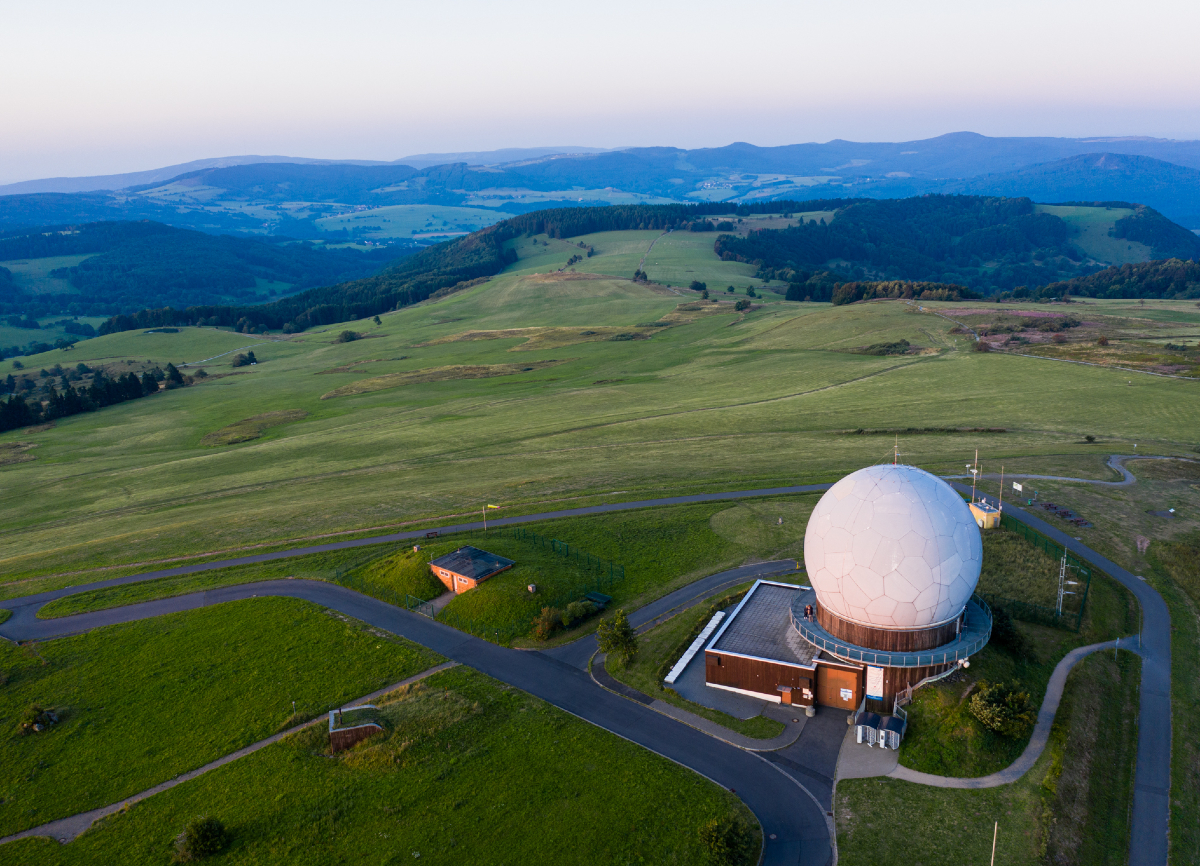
[{"x": 1032, "y": 314}]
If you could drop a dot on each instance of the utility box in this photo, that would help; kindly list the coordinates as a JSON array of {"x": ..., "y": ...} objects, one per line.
[
  {"x": 866, "y": 728},
  {"x": 891, "y": 732}
]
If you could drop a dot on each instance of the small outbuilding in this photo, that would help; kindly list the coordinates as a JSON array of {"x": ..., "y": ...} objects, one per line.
[
  {"x": 468, "y": 567},
  {"x": 986, "y": 516}
]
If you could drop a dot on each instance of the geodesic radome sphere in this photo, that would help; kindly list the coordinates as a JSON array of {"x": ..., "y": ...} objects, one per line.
[{"x": 893, "y": 547}]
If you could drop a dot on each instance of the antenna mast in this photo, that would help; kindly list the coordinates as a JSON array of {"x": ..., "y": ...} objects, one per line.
[
  {"x": 1001, "y": 486},
  {"x": 974, "y": 474}
]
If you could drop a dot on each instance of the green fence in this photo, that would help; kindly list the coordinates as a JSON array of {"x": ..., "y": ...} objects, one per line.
[
  {"x": 614, "y": 570},
  {"x": 1030, "y": 612}
]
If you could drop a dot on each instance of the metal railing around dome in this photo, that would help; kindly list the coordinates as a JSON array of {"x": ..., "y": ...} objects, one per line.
[{"x": 976, "y": 632}]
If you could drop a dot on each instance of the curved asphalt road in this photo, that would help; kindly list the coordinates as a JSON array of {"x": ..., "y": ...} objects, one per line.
[
  {"x": 800, "y": 829},
  {"x": 795, "y": 830},
  {"x": 43, "y": 597},
  {"x": 1152, "y": 774}
]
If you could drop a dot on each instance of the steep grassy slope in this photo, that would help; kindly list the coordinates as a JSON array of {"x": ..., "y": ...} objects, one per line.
[{"x": 719, "y": 400}]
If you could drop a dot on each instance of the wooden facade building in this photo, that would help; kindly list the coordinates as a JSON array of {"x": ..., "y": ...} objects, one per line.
[{"x": 757, "y": 653}]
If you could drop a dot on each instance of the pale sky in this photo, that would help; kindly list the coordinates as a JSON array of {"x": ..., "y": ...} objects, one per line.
[{"x": 97, "y": 88}]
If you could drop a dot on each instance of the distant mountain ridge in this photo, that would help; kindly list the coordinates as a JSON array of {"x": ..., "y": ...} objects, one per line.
[{"x": 211, "y": 195}]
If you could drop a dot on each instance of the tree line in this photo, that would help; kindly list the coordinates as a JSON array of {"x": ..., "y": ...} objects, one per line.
[
  {"x": 18, "y": 411},
  {"x": 1171, "y": 279}
]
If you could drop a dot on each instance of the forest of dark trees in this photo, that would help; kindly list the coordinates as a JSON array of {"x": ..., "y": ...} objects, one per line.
[
  {"x": 987, "y": 244},
  {"x": 147, "y": 264},
  {"x": 1170, "y": 279},
  {"x": 23, "y": 410},
  {"x": 940, "y": 240},
  {"x": 944, "y": 239}
]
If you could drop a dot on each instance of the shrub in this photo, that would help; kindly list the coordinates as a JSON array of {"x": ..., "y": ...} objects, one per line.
[
  {"x": 743, "y": 304},
  {"x": 35, "y": 719},
  {"x": 1003, "y": 708},
  {"x": 547, "y": 623},
  {"x": 704, "y": 294},
  {"x": 727, "y": 842},
  {"x": 982, "y": 346},
  {"x": 1089, "y": 438},
  {"x": 1103, "y": 341},
  {"x": 202, "y": 837},
  {"x": 697, "y": 286},
  {"x": 240, "y": 360},
  {"x": 725, "y": 226},
  {"x": 617, "y": 638},
  {"x": 1059, "y": 338},
  {"x": 348, "y": 337},
  {"x": 577, "y": 611}
]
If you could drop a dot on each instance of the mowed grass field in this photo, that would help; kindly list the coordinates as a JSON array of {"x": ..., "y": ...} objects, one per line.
[{"x": 728, "y": 401}]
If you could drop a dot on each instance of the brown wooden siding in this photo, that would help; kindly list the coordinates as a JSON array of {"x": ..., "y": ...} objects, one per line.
[
  {"x": 344, "y": 739},
  {"x": 886, "y": 639},
  {"x": 830, "y": 682},
  {"x": 754, "y": 675}
]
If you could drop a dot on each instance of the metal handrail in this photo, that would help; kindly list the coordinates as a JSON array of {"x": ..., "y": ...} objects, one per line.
[{"x": 964, "y": 649}]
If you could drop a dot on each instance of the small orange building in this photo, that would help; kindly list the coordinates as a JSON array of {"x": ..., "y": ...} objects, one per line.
[{"x": 468, "y": 567}]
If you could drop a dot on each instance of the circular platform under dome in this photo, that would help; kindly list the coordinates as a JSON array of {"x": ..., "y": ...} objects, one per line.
[{"x": 893, "y": 547}]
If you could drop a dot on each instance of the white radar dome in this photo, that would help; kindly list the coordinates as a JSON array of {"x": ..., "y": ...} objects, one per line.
[{"x": 893, "y": 547}]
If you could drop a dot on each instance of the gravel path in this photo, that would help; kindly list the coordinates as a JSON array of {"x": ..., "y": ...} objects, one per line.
[
  {"x": 66, "y": 829},
  {"x": 1037, "y": 742}
]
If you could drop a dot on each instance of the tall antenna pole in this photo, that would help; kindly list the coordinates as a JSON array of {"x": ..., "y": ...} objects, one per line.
[
  {"x": 1001, "y": 486},
  {"x": 896, "y": 451},
  {"x": 974, "y": 474}
]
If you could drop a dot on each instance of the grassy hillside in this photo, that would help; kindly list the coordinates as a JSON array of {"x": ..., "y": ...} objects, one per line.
[
  {"x": 718, "y": 400},
  {"x": 469, "y": 771}
]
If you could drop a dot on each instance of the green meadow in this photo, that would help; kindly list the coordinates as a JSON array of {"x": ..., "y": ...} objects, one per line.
[
  {"x": 718, "y": 400},
  {"x": 468, "y": 771},
  {"x": 141, "y": 703}
]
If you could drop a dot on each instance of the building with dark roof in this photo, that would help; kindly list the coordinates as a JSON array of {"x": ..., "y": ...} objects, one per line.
[
  {"x": 758, "y": 653},
  {"x": 468, "y": 567}
]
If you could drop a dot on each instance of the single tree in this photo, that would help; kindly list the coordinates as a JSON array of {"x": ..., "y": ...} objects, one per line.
[
  {"x": 617, "y": 638},
  {"x": 202, "y": 837}
]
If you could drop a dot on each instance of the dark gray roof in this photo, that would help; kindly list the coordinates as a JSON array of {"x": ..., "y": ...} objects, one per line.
[
  {"x": 473, "y": 562},
  {"x": 761, "y": 627}
]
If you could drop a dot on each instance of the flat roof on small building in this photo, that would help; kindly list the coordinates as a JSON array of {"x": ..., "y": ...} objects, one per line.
[
  {"x": 761, "y": 627},
  {"x": 473, "y": 563}
]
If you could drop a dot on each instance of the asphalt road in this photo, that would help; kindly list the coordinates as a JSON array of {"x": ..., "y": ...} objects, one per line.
[
  {"x": 1152, "y": 773},
  {"x": 794, "y": 826},
  {"x": 557, "y": 677},
  {"x": 195, "y": 568}
]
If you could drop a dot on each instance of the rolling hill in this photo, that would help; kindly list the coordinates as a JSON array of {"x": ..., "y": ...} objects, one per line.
[
  {"x": 105, "y": 268},
  {"x": 984, "y": 243}
]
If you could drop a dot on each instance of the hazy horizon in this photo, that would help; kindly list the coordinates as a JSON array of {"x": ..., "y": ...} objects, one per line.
[{"x": 137, "y": 85}]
